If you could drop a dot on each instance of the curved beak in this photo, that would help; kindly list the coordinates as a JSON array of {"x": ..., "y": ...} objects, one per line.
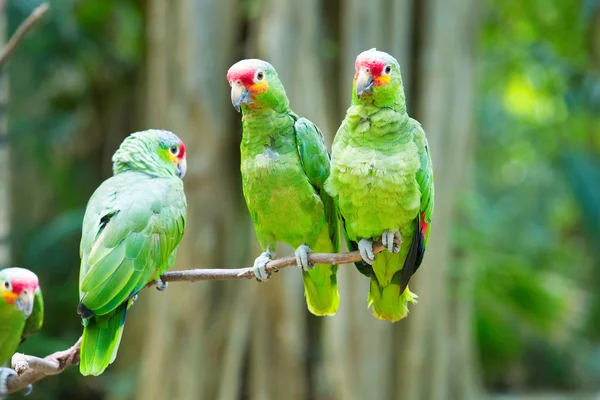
[
  {"x": 182, "y": 168},
  {"x": 364, "y": 83},
  {"x": 239, "y": 95},
  {"x": 24, "y": 302}
]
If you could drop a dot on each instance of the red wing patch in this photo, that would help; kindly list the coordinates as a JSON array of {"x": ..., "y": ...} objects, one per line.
[{"x": 424, "y": 225}]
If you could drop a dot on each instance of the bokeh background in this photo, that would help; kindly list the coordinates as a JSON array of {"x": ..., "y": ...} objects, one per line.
[{"x": 508, "y": 92}]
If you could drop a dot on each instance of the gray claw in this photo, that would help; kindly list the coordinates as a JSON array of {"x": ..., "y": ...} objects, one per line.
[
  {"x": 29, "y": 390},
  {"x": 301, "y": 254},
  {"x": 5, "y": 373},
  {"x": 365, "y": 247},
  {"x": 391, "y": 240},
  {"x": 160, "y": 285},
  {"x": 260, "y": 266}
]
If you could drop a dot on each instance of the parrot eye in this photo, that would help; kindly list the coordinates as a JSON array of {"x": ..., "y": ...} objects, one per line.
[
  {"x": 260, "y": 76},
  {"x": 7, "y": 285},
  {"x": 387, "y": 70},
  {"x": 174, "y": 150}
]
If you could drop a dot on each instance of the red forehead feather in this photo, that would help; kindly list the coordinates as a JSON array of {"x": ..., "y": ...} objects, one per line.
[
  {"x": 244, "y": 73},
  {"x": 181, "y": 150},
  {"x": 22, "y": 283},
  {"x": 376, "y": 65}
]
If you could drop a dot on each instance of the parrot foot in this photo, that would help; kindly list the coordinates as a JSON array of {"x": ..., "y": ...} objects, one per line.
[
  {"x": 301, "y": 254},
  {"x": 365, "y": 246},
  {"x": 5, "y": 373},
  {"x": 160, "y": 285},
  {"x": 260, "y": 265},
  {"x": 391, "y": 240}
]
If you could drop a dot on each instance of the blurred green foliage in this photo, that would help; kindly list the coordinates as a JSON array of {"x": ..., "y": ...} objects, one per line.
[{"x": 536, "y": 175}]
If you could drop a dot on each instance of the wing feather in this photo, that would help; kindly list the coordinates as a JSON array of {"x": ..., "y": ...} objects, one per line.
[
  {"x": 130, "y": 229},
  {"x": 316, "y": 163}
]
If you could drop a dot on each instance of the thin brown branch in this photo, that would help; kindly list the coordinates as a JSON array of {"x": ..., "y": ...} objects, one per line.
[
  {"x": 33, "y": 18},
  {"x": 31, "y": 369},
  {"x": 195, "y": 275}
]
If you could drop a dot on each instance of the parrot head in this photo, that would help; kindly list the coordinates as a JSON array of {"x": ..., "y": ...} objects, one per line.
[
  {"x": 256, "y": 85},
  {"x": 377, "y": 79},
  {"x": 154, "y": 151},
  {"x": 18, "y": 287}
]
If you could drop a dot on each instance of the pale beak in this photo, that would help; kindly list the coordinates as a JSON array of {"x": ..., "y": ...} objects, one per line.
[
  {"x": 364, "y": 83},
  {"x": 181, "y": 168},
  {"x": 24, "y": 302},
  {"x": 239, "y": 95}
]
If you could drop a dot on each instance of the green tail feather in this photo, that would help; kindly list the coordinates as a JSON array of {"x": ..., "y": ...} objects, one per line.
[
  {"x": 320, "y": 289},
  {"x": 100, "y": 341},
  {"x": 387, "y": 301}
]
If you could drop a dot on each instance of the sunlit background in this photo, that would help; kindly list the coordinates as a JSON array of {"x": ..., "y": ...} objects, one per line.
[{"x": 508, "y": 92}]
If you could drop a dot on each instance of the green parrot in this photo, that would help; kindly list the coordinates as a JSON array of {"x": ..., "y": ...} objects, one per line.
[
  {"x": 131, "y": 229},
  {"x": 284, "y": 165},
  {"x": 382, "y": 180},
  {"x": 21, "y": 314}
]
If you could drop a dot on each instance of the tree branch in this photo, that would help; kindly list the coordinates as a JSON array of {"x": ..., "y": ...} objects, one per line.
[
  {"x": 31, "y": 369},
  {"x": 21, "y": 31},
  {"x": 195, "y": 275}
]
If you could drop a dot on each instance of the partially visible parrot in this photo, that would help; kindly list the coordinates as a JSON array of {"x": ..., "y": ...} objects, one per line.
[
  {"x": 21, "y": 314},
  {"x": 284, "y": 165},
  {"x": 131, "y": 229},
  {"x": 382, "y": 180}
]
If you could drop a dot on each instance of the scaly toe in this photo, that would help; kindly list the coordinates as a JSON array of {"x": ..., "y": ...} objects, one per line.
[
  {"x": 5, "y": 373},
  {"x": 396, "y": 242},
  {"x": 301, "y": 254},
  {"x": 387, "y": 238},
  {"x": 365, "y": 247},
  {"x": 160, "y": 285},
  {"x": 260, "y": 267}
]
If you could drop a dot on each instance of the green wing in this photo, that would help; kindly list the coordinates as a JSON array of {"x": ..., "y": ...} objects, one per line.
[
  {"x": 133, "y": 225},
  {"x": 316, "y": 163},
  {"x": 36, "y": 319},
  {"x": 425, "y": 180}
]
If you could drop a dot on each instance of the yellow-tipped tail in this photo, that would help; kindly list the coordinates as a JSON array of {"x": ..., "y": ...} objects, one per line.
[
  {"x": 388, "y": 304},
  {"x": 320, "y": 290}
]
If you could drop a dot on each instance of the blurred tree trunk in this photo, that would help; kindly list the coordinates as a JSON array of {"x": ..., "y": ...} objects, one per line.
[
  {"x": 5, "y": 253},
  {"x": 194, "y": 334},
  {"x": 445, "y": 80}
]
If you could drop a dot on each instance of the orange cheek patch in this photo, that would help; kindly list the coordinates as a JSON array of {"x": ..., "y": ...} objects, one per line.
[
  {"x": 10, "y": 297},
  {"x": 382, "y": 80},
  {"x": 259, "y": 88}
]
